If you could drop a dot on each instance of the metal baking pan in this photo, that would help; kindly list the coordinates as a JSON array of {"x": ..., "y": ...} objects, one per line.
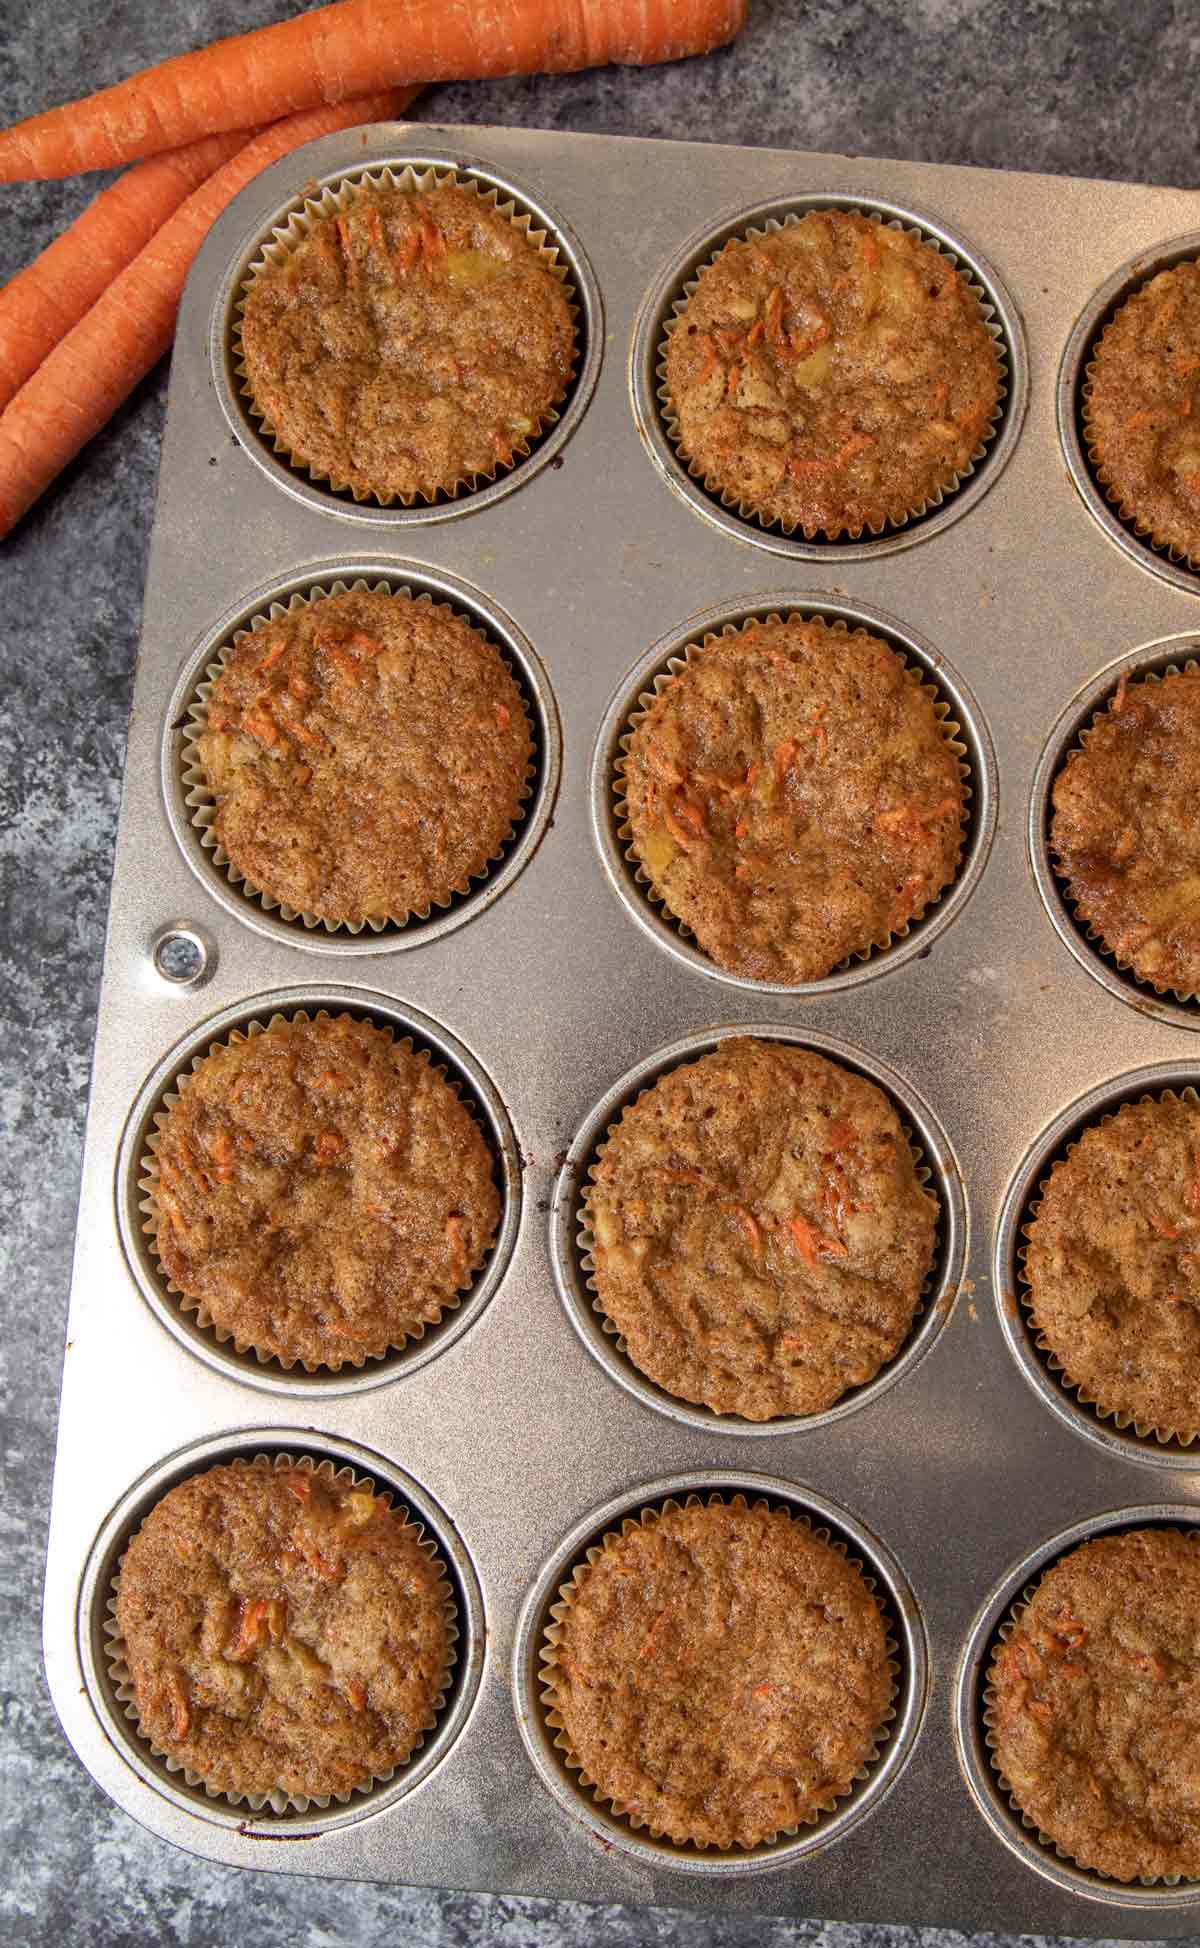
[{"x": 515, "y": 1429}]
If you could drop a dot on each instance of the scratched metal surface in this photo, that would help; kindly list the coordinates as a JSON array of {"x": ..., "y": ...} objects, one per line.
[{"x": 515, "y": 1432}]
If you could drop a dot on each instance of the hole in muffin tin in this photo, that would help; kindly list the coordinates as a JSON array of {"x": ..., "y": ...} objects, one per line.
[
  {"x": 96, "y": 1591},
  {"x": 1011, "y": 1288},
  {"x": 477, "y": 1092},
  {"x": 582, "y": 1304},
  {"x": 1158, "y": 558},
  {"x": 1009, "y": 1825},
  {"x": 536, "y": 808},
  {"x": 1152, "y": 659},
  {"x": 905, "y": 1630},
  {"x": 589, "y": 338},
  {"x": 183, "y": 955},
  {"x": 633, "y": 890},
  {"x": 1001, "y": 316}
]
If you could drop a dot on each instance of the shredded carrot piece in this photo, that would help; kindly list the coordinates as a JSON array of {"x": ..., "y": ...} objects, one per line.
[
  {"x": 375, "y": 229},
  {"x": 272, "y": 657},
  {"x": 221, "y": 1151},
  {"x": 300, "y": 1485},
  {"x": 681, "y": 1175},
  {"x": 681, "y": 836},
  {"x": 347, "y": 664},
  {"x": 1149, "y": 1663},
  {"x": 433, "y": 244},
  {"x": 691, "y": 815},
  {"x": 761, "y": 1691},
  {"x": 181, "y": 1719},
  {"x": 327, "y": 1146},
  {"x": 408, "y": 253},
  {"x": 343, "y": 229},
  {"x": 1118, "y": 702},
  {"x": 325, "y": 1567},
  {"x": 1164, "y": 1229},
  {"x": 301, "y": 732},
  {"x": 750, "y": 1225},
  {"x": 798, "y": 468},
  {"x": 261, "y": 726},
  {"x": 710, "y": 360},
  {"x": 1191, "y": 1192},
  {"x": 362, "y": 644},
  {"x": 731, "y": 384},
  {"x": 356, "y": 1693},
  {"x": 784, "y": 754},
  {"x": 253, "y": 1624},
  {"x": 653, "y": 1631},
  {"x": 816, "y": 728},
  {"x": 842, "y": 1135},
  {"x": 812, "y": 1244},
  {"x": 664, "y": 765},
  {"x": 300, "y": 687},
  {"x": 870, "y": 249},
  {"x": 503, "y": 715},
  {"x": 458, "y": 1249},
  {"x": 1145, "y": 417},
  {"x": 754, "y": 335},
  {"x": 774, "y": 311}
]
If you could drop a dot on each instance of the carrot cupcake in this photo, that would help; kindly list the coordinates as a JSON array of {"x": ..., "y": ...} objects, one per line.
[
  {"x": 284, "y": 1632},
  {"x": 832, "y": 375},
  {"x": 1139, "y": 409},
  {"x": 1125, "y": 829},
  {"x": 319, "y": 1191},
  {"x": 759, "y": 1234},
  {"x": 367, "y": 754},
  {"x": 794, "y": 798},
  {"x": 1095, "y": 1705},
  {"x": 1113, "y": 1265},
  {"x": 720, "y": 1675},
  {"x": 412, "y": 341}
]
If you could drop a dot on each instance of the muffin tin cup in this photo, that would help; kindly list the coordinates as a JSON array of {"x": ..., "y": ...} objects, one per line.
[
  {"x": 1107, "y": 1427},
  {"x": 188, "y": 1318},
  {"x": 571, "y": 1241},
  {"x": 660, "y": 430},
  {"x": 1102, "y": 500},
  {"x": 189, "y": 801},
  {"x": 201, "y": 803},
  {"x": 1167, "y": 656},
  {"x": 537, "y": 1635},
  {"x": 974, "y": 1701},
  {"x": 407, "y": 170},
  {"x": 110, "y": 1688},
  {"x": 963, "y": 726}
]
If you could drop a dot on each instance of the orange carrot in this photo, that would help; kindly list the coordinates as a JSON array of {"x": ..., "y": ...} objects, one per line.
[
  {"x": 41, "y": 303},
  {"x": 95, "y": 367},
  {"x": 334, "y": 52}
]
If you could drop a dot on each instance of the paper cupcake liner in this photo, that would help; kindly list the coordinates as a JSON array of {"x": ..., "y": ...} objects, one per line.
[
  {"x": 202, "y": 805},
  {"x": 336, "y": 199},
  {"x": 278, "y": 1801},
  {"x": 1090, "y": 932},
  {"x": 894, "y": 518},
  {"x": 585, "y": 1247},
  {"x": 1083, "y": 1397},
  {"x": 147, "y": 1183},
  {"x": 548, "y": 1659},
  {"x": 1113, "y": 493},
  {"x": 677, "y": 661},
  {"x": 1004, "y": 1631}
]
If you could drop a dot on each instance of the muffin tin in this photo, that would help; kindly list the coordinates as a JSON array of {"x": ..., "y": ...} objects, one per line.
[{"x": 555, "y": 988}]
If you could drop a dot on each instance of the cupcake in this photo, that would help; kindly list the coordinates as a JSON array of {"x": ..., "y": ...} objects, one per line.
[
  {"x": 718, "y": 1673},
  {"x": 794, "y": 797},
  {"x": 759, "y": 1235},
  {"x": 1113, "y": 1265},
  {"x": 1140, "y": 409},
  {"x": 410, "y": 341},
  {"x": 284, "y": 1631},
  {"x": 1094, "y": 1706},
  {"x": 1126, "y": 833},
  {"x": 318, "y": 1191},
  {"x": 832, "y": 375},
  {"x": 361, "y": 758}
]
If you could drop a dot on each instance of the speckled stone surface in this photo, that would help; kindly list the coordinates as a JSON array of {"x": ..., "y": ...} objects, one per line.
[{"x": 1094, "y": 87}]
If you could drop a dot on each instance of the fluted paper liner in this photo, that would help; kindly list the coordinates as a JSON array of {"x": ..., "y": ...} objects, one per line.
[
  {"x": 147, "y": 1205},
  {"x": 548, "y": 1659},
  {"x": 337, "y": 198},
  {"x": 677, "y": 661},
  {"x": 280, "y": 1802},
  {"x": 1125, "y": 509},
  {"x": 202, "y": 805},
  {"x": 1084, "y": 1399},
  {"x": 585, "y": 1248},
  {"x": 1091, "y": 933},
  {"x": 1046, "y": 1841},
  {"x": 895, "y": 518}
]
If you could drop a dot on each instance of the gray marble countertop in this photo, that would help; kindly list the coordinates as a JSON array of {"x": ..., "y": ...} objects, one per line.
[{"x": 1090, "y": 87}]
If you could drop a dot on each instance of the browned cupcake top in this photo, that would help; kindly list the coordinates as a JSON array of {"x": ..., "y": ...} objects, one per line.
[
  {"x": 761, "y": 1238},
  {"x": 1114, "y": 1264},
  {"x": 367, "y": 754},
  {"x": 410, "y": 342},
  {"x": 794, "y": 798},
  {"x": 831, "y": 375},
  {"x": 1097, "y": 1705},
  {"x": 1126, "y": 829},
  {"x": 321, "y": 1190},
  {"x": 721, "y": 1674},
  {"x": 284, "y": 1631},
  {"x": 1141, "y": 409}
]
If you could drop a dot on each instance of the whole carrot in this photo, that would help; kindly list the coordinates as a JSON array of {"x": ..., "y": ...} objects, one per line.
[
  {"x": 96, "y": 366},
  {"x": 41, "y": 303},
  {"x": 333, "y": 52}
]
